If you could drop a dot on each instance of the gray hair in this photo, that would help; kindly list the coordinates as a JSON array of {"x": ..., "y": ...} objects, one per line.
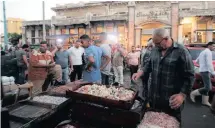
[
  {"x": 161, "y": 32},
  {"x": 150, "y": 42}
]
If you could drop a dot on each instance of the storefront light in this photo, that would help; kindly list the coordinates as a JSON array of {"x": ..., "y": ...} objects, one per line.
[{"x": 186, "y": 21}]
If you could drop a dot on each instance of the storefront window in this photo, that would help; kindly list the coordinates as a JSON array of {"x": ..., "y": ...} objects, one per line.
[
  {"x": 121, "y": 32},
  {"x": 201, "y": 37},
  {"x": 202, "y": 26},
  {"x": 63, "y": 31},
  {"x": 187, "y": 31},
  {"x": 109, "y": 29},
  {"x": 99, "y": 29},
  {"x": 81, "y": 31},
  {"x": 71, "y": 31},
  {"x": 214, "y": 36}
]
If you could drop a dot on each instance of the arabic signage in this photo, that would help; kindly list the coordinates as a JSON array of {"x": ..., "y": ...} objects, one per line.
[{"x": 153, "y": 14}]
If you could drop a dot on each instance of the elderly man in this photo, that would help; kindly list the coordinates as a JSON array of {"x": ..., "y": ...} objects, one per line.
[
  {"x": 41, "y": 64},
  {"x": 93, "y": 56},
  {"x": 172, "y": 74}
]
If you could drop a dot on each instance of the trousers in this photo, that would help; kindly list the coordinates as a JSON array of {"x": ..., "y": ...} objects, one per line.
[
  {"x": 78, "y": 69},
  {"x": 206, "y": 77},
  {"x": 118, "y": 73}
]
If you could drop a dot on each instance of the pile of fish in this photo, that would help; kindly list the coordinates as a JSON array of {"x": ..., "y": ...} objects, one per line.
[
  {"x": 49, "y": 99},
  {"x": 111, "y": 92},
  {"x": 158, "y": 120}
]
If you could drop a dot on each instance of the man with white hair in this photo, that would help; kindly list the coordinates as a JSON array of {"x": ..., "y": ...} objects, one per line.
[{"x": 172, "y": 74}]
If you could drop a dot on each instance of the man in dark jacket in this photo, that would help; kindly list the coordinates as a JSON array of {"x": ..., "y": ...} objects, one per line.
[{"x": 172, "y": 74}]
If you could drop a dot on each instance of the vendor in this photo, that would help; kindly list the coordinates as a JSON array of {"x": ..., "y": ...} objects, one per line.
[
  {"x": 41, "y": 65},
  {"x": 172, "y": 74},
  {"x": 93, "y": 55}
]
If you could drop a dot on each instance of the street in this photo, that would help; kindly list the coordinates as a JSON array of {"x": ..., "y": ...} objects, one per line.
[{"x": 193, "y": 115}]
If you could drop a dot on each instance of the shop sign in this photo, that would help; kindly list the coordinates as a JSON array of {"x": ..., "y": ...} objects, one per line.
[{"x": 153, "y": 14}]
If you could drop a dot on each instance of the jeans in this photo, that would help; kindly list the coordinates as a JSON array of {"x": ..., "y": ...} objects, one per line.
[
  {"x": 118, "y": 73},
  {"x": 206, "y": 77},
  {"x": 65, "y": 74},
  {"x": 105, "y": 79},
  {"x": 21, "y": 78},
  {"x": 78, "y": 69}
]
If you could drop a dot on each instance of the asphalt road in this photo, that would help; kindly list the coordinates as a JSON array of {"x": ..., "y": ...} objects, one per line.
[{"x": 193, "y": 115}]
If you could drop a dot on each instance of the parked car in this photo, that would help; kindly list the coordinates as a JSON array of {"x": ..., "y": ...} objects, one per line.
[{"x": 194, "y": 52}]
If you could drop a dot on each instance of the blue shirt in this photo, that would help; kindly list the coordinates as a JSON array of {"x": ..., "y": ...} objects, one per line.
[{"x": 95, "y": 74}]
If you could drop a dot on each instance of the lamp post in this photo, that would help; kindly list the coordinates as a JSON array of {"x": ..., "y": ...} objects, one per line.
[{"x": 5, "y": 27}]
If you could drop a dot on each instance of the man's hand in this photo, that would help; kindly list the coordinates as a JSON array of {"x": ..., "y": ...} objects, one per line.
[
  {"x": 136, "y": 76},
  {"x": 71, "y": 69},
  {"x": 176, "y": 100},
  {"x": 89, "y": 69}
]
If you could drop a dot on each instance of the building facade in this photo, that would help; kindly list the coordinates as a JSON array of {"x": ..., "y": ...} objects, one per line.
[
  {"x": 14, "y": 25},
  {"x": 132, "y": 23}
]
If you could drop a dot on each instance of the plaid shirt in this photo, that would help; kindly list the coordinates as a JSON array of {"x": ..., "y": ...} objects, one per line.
[{"x": 170, "y": 74}]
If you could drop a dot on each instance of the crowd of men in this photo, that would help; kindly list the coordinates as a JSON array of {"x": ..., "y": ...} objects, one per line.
[{"x": 165, "y": 67}]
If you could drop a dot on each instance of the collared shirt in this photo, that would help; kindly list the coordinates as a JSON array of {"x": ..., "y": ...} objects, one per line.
[
  {"x": 170, "y": 74},
  {"x": 36, "y": 58},
  {"x": 205, "y": 61},
  {"x": 95, "y": 74}
]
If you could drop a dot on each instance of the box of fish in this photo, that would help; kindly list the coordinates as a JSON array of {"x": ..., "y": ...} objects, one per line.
[
  {"x": 109, "y": 96},
  {"x": 26, "y": 111},
  {"x": 114, "y": 116},
  {"x": 55, "y": 100},
  {"x": 158, "y": 120}
]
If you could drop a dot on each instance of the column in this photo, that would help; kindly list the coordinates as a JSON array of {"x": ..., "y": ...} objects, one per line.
[
  {"x": 180, "y": 33},
  {"x": 131, "y": 21},
  {"x": 138, "y": 36},
  {"x": 53, "y": 30},
  {"x": 174, "y": 19},
  {"x": 23, "y": 35},
  {"x": 28, "y": 36},
  {"x": 193, "y": 32},
  {"x": 209, "y": 34},
  {"x": 37, "y": 36}
]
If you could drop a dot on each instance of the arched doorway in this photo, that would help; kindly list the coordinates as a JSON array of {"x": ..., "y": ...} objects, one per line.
[{"x": 148, "y": 27}]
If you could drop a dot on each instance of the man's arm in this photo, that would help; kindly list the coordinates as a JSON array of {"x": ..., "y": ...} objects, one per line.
[
  {"x": 209, "y": 62},
  {"x": 70, "y": 61},
  {"x": 188, "y": 72},
  {"x": 24, "y": 57}
]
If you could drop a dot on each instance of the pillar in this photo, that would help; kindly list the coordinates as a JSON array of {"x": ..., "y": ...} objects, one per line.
[
  {"x": 53, "y": 30},
  {"x": 209, "y": 34},
  {"x": 131, "y": 21},
  {"x": 180, "y": 34},
  {"x": 37, "y": 37},
  {"x": 174, "y": 19},
  {"x": 193, "y": 32},
  {"x": 23, "y": 35},
  {"x": 138, "y": 36}
]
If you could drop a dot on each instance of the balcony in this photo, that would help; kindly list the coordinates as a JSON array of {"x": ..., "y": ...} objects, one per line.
[
  {"x": 69, "y": 21},
  {"x": 36, "y": 22},
  {"x": 110, "y": 17}
]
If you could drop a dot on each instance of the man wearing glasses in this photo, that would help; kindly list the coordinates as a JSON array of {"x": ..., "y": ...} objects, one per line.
[
  {"x": 93, "y": 55},
  {"x": 172, "y": 74}
]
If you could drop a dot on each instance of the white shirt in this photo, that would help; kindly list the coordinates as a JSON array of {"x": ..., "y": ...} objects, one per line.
[
  {"x": 76, "y": 54},
  {"x": 205, "y": 61}
]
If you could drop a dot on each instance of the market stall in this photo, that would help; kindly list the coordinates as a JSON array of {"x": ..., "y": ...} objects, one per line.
[{"x": 86, "y": 105}]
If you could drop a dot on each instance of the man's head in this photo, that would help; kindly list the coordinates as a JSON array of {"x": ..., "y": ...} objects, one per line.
[
  {"x": 43, "y": 46},
  {"x": 77, "y": 43},
  {"x": 161, "y": 38},
  {"x": 85, "y": 41},
  {"x": 97, "y": 43},
  {"x": 133, "y": 49},
  {"x": 211, "y": 46},
  {"x": 103, "y": 37},
  {"x": 25, "y": 47},
  {"x": 59, "y": 44},
  {"x": 150, "y": 44}
]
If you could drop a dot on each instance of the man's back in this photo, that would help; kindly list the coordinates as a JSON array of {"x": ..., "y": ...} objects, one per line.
[
  {"x": 19, "y": 55},
  {"x": 107, "y": 49}
]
